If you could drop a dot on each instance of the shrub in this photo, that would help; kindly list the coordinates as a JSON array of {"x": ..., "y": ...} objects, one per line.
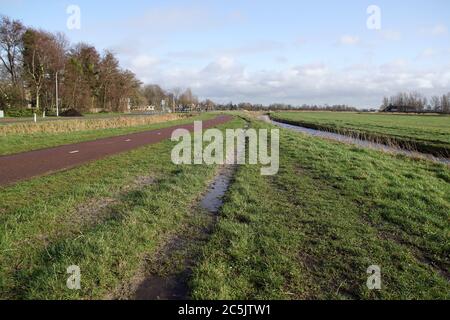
[
  {"x": 71, "y": 113},
  {"x": 73, "y": 125},
  {"x": 19, "y": 113}
]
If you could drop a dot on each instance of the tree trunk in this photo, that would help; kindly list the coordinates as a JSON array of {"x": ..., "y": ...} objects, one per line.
[{"x": 37, "y": 98}]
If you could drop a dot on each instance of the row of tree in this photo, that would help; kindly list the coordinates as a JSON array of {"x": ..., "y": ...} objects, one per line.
[
  {"x": 416, "y": 102},
  {"x": 39, "y": 69},
  {"x": 281, "y": 106}
]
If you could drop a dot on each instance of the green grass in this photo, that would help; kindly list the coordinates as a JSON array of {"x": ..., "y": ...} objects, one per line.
[
  {"x": 309, "y": 232},
  {"x": 15, "y": 143},
  {"x": 331, "y": 212},
  {"x": 44, "y": 230},
  {"x": 427, "y": 132}
]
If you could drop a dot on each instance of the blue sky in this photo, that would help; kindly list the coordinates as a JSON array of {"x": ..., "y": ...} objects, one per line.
[{"x": 265, "y": 51}]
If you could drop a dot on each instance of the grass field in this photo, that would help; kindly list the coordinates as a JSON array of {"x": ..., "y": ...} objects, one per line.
[
  {"x": 331, "y": 212},
  {"x": 426, "y": 133},
  {"x": 309, "y": 232}
]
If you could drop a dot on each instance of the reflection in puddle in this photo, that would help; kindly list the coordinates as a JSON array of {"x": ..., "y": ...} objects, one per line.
[
  {"x": 162, "y": 288},
  {"x": 213, "y": 200}
]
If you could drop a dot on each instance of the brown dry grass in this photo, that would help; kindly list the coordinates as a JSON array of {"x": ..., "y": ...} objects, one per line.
[{"x": 85, "y": 124}]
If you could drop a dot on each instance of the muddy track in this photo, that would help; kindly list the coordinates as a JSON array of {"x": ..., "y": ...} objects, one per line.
[
  {"x": 165, "y": 274},
  {"x": 22, "y": 166},
  {"x": 173, "y": 263}
]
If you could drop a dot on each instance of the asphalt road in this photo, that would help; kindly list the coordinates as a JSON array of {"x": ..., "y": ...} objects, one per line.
[{"x": 22, "y": 166}]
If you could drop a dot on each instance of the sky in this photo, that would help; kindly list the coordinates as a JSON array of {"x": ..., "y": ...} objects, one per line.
[{"x": 258, "y": 51}]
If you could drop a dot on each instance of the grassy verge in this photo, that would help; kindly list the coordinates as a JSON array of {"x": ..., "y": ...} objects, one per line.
[
  {"x": 426, "y": 133},
  {"x": 331, "y": 212},
  {"x": 15, "y": 143},
  {"x": 105, "y": 217}
]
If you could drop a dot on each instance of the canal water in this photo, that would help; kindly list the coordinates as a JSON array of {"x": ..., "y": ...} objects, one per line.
[{"x": 356, "y": 141}]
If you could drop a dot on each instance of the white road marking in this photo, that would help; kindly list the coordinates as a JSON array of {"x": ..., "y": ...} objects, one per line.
[{"x": 75, "y": 151}]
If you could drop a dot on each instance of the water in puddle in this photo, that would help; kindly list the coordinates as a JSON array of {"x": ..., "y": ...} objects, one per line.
[
  {"x": 213, "y": 200},
  {"x": 356, "y": 141},
  {"x": 162, "y": 288}
]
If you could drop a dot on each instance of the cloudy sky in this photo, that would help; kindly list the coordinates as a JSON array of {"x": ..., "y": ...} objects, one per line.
[{"x": 266, "y": 51}]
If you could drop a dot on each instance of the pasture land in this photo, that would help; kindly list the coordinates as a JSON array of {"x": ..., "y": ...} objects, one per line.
[
  {"x": 312, "y": 231},
  {"x": 425, "y": 133},
  {"x": 309, "y": 232}
]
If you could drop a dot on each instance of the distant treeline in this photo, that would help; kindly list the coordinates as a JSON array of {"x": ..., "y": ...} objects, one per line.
[
  {"x": 36, "y": 62},
  {"x": 284, "y": 107},
  {"x": 416, "y": 102}
]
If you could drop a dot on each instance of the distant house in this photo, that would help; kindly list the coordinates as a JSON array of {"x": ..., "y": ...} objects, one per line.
[
  {"x": 406, "y": 109},
  {"x": 150, "y": 108},
  {"x": 390, "y": 109}
]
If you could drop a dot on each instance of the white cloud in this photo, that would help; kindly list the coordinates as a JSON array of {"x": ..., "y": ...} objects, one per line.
[
  {"x": 300, "y": 41},
  {"x": 428, "y": 53},
  {"x": 256, "y": 47},
  {"x": 312, "y": 70},
  {"x": 439, "y": 30},
  {"x": 391, "y": 35},
  {"x": 436, "y": 30},
  {"x": 143, "y": 61},
  {"x": 226, "y": 79},
  {"x": 348, "y": 40}
]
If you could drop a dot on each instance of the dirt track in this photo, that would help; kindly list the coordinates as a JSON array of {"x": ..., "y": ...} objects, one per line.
[{"x": 14, "y": 168}]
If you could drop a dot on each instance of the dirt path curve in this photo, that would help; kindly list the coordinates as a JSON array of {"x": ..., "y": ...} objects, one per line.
[{"x": 17, "y": 167}]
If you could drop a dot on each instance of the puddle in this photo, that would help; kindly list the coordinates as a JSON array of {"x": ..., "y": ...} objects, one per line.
[
  {"x": 213, "y": 200},
  {"x": 163, "y": 288},
  {"x": 356, "y": 141}
]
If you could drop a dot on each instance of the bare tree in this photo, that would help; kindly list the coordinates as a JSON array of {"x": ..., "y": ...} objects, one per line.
[
  {"x": 445, "y": 103},
  {"x": 154, "y": 94},
  {"x": 36, "y": 59},
  {"x": 187, "y": 99},
  {"x": 176, "y": 98},
  {"x": 11, "y": 34},
  {"x": 435, "y": 103}
]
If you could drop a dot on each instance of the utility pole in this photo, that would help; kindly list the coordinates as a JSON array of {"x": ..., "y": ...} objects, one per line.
[
  {"x": 57, "y": 98},
  {"x": 173, "y": 103}
]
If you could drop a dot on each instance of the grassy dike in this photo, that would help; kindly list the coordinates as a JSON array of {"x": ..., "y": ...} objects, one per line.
[
  {"x": 106, "y": 217},
  {"x": 333, "y": 210},
  {"x": 11, "y": 143}
]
